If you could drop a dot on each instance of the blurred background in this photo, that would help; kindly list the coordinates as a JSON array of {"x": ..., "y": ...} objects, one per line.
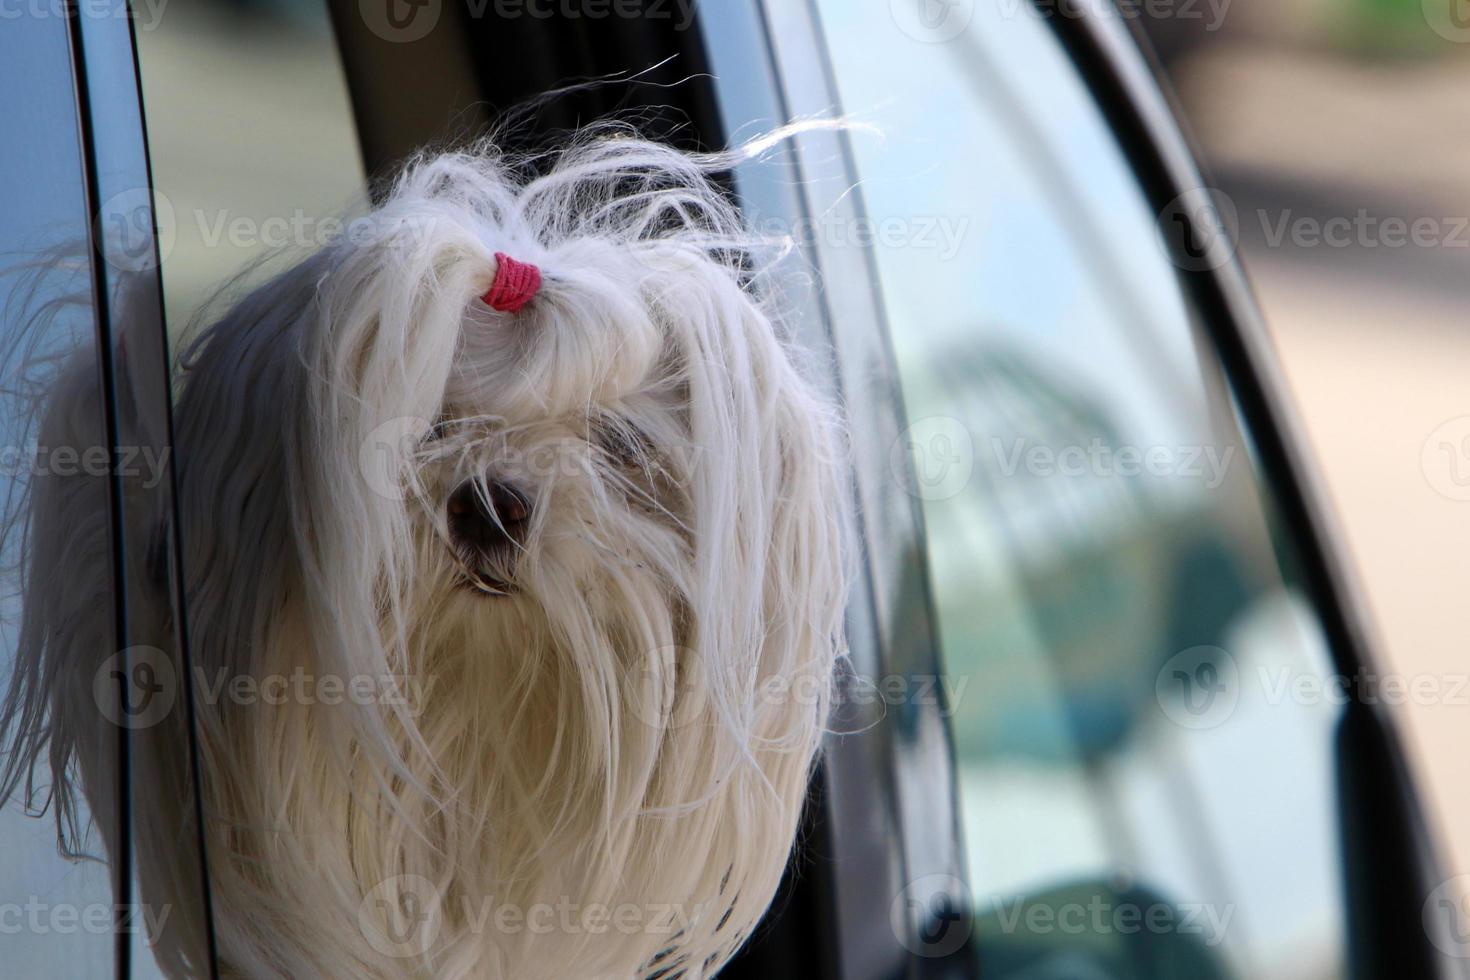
[{"x": 1310, "y": 115}]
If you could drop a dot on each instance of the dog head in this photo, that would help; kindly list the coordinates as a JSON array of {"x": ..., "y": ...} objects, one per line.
[
  {"x": 598, "y": 542},
  {"x": 577, "y": 560}
]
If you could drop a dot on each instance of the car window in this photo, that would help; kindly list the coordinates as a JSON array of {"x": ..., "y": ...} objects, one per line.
[
  {"x": 251, "y": 140},
  {"x": 57, "y": 903},
  {"x": 254, "y": 162},
  {"x": 1144, "y": 788}
]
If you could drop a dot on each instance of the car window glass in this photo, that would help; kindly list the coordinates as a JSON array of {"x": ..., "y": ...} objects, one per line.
[
  {"x": 251, "y": 140},
  {"x": 58, "y": 754},
  {"x": 1143, "y": 788}
]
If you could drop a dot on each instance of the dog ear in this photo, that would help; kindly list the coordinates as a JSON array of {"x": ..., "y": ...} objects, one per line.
[
  {"x": 300, "y": 416},
  {"x": 60, "y": 525},
  {"x": 55, "y": 546},
  {"x": 767, "y": 487},
  {"x": 768, "y": 589},
  {"x": 90, "y": 478}
]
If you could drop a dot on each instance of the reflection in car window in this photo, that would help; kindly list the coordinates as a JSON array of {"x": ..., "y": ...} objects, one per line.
[
  {"x": 58, "y": 756},
  {"x": 1142, "y": 796}
]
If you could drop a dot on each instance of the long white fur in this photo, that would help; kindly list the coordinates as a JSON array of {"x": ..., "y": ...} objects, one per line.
[{"x": 635, "y": 726}]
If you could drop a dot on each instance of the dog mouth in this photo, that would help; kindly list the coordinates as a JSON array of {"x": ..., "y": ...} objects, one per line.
[{"x": 488, "y": 523}]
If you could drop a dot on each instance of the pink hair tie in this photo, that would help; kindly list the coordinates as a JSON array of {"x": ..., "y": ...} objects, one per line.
[{"x": 515, "y": 284}]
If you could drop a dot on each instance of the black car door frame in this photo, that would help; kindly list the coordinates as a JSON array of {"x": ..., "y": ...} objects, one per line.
[{"x": 135, "y": 364}]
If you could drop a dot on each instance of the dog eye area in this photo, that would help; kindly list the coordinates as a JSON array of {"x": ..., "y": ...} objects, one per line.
[
  {"x": 620, "y": 439},
  {"x": 488, "y": 521}
]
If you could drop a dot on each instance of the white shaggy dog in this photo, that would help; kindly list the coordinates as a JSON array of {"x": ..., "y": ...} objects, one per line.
[{"x": 594, "y": 531}]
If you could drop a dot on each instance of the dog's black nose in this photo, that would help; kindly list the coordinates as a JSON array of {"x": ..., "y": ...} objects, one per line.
[{"x": 488, "y": 516}]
